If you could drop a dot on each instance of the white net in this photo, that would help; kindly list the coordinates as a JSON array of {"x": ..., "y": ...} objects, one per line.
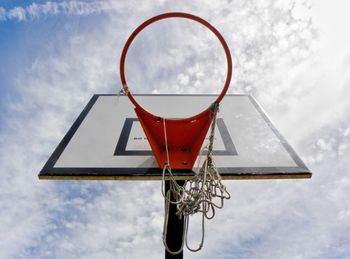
[{"x": 201, "y": 194}]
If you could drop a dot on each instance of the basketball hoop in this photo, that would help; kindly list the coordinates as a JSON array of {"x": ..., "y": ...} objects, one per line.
[
  {"x": 176, "y": 144},
  {"x": 184, "y": 136}
]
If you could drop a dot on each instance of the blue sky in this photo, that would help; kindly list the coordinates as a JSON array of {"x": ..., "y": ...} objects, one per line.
[{"x": 292, "y": 55}]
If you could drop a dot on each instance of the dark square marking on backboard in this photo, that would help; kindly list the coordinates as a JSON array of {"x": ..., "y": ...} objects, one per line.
[{"x": 120, "y": 150}]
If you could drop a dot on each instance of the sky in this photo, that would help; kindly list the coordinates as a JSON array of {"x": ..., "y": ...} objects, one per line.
[{"x": 293, "y": 56}]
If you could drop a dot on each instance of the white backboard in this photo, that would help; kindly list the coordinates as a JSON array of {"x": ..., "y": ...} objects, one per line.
[{"x": 107, "y": 141}]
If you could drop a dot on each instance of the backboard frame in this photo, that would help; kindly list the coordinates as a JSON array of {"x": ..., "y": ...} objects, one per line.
[{"x": 49, "y": 171}]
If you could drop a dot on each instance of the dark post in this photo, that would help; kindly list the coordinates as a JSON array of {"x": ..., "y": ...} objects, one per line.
[{"x": 175, "y": 228}]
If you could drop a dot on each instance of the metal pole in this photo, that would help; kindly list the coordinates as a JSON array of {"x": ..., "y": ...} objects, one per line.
[{"x": 175, "y": 228}]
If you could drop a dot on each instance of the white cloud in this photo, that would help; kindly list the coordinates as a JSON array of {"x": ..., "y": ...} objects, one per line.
[
  {"x": 35, "y": 10},
  {"x": 314, "y": 94},
  {"x": 264, "y": 219},
  {"x": 347, "y": 131},
  {"x": 17, "y": 13}
]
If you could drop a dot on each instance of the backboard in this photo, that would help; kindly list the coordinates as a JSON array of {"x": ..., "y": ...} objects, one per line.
[{"x": 106, "y": 142}]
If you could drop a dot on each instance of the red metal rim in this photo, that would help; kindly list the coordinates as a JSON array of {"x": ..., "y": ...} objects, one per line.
[{"x": 175, "y": 15}]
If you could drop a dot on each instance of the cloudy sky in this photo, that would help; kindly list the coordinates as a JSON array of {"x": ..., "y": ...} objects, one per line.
[{"x": 293, "y": 56}]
